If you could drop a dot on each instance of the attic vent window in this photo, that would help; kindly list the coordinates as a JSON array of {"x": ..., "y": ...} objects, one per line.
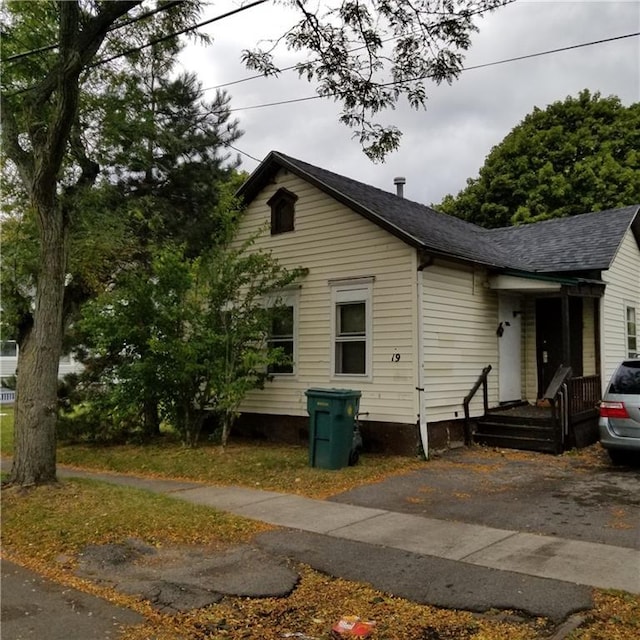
[{"x": 283, "y": 207}]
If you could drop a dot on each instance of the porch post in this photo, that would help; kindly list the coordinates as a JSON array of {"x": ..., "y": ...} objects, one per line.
[{"x": 566, "y": 330}]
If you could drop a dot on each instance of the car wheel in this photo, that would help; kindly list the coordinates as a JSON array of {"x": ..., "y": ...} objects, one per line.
[{"x": 617, "y": 456}]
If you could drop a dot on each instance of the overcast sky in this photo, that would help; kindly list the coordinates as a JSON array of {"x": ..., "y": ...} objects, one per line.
[{"x": 446, "y": 144}]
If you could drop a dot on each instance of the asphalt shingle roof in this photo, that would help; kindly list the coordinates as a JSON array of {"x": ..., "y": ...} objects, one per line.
[
  {"x": 584, "y": 242},
  {"x": 578, "y": 243}
]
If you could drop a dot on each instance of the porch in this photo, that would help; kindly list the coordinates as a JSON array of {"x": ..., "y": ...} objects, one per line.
[{"x": 566, "y": 418}]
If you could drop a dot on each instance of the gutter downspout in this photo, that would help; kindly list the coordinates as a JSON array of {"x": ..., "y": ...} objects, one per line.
[{"x": 422, "y": 418}]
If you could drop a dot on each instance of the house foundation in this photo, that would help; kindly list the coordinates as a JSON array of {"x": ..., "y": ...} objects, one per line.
[{"x": 378, "y": 437}]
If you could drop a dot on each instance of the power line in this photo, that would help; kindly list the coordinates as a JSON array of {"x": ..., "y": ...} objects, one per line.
[
  {"x": 158, "y": 40},
  {"x": 180, "y": 32},
  {"x": 550, "y": 51},
  {"x": 126, "y": 23},
  {"x": 477, "y": 12},
  {"x": 244, "y": 153},
  {"x": 425, "y": 77}
]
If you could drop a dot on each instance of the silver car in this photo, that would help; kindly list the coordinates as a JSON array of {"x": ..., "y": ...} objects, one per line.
[{"x": 620, "y": 413}]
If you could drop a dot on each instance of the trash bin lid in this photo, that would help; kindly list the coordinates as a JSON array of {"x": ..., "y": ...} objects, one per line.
[{"x": 332, "y": 393}]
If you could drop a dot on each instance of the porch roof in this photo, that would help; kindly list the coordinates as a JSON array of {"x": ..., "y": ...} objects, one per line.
[{"x": 585, "y": 242}]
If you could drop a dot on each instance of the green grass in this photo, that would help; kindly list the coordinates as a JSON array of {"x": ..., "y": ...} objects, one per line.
[
  {"x": 250, "y": 464},
  {"x": 6, "y": 430},
  {"x": 61, "y": 519}
]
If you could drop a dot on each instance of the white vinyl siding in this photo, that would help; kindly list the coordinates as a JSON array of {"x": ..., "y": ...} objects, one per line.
[
  {"x": 9, "y": 362},
  {"x": 334, "y": 243},
  {"x": 459, "y": 325},
  {"x": 622, "y": 291}
]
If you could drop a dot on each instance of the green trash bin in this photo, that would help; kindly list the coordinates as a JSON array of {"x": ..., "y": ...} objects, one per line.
[{"x": 332, "y": 414}]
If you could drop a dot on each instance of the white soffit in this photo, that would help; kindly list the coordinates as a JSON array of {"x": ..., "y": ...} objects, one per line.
[{"x": 526, "y": 285}]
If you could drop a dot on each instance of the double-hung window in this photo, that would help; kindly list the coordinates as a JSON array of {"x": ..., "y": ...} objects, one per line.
[
  {"x": 631, "y": 332},
  {"x": 282, "y": 334},
  {"x": 352, "y": 327}
]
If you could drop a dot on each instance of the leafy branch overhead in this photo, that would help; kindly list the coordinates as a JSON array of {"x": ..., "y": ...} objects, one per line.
[{"x": 368, "y": 55}]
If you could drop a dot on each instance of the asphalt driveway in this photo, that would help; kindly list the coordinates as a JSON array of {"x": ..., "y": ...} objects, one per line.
[{"x": 580, "y": 497}]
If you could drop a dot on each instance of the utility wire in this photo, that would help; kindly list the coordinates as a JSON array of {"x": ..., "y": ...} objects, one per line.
[
  {"x": 244, "y": 153},
  {"x": 126, "y": 23},
  {"x": 426, "y": 77},
  {"x": 290, "y": 68},
  {"x": 472, "y": 68},
  {"x": 157, "y": 40},
  {"x": 180, "y": 32}
]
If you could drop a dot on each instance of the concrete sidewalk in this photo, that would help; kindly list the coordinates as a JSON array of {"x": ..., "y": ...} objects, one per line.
[
  {"x": 596, "y": 565},
  {"x": 582, "y": 563},
  {"x": 445, "y": 563}
]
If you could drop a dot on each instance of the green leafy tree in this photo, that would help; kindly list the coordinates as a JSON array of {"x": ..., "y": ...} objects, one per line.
[
  {"x": 575, "y": 156},
  {"x": 49, "y": 57},
  {"x": 152, "y": 151},
  {"x": 193, "y": 330},
  {"x": 37, "y": 121}
]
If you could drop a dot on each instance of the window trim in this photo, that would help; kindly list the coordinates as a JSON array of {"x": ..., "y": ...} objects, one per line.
[
  {"x": 282, "y": 195},
  {"x": 15, "y": 346},
  {"x": 631, "y": 353},
  {"x": 287, "y": 299},
  {"x": 345, "y": 291}
]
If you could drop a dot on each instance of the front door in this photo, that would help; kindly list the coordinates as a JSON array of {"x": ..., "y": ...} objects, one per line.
[
  {"x": 549, "y": 339},
  {"x": 509, "y": 348}
]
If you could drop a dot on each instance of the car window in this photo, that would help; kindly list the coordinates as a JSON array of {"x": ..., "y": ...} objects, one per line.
[{"x": 626, "y": 380}]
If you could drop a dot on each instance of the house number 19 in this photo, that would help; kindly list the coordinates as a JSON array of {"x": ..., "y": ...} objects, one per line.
[{"x": 395, "y": 357}]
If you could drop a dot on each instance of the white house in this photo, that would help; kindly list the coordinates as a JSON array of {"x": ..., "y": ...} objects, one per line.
[
  {"x": 9, "y": 361},
  {"x": 409, "y": 306}
]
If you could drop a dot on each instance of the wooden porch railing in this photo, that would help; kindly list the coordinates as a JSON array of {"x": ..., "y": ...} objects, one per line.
[
  {"x": 481, "y": 381},
  {"x": 583, "y": 394},
  {"x": 576, "y": 397}
]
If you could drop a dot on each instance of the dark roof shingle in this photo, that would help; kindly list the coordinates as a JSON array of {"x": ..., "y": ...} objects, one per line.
[{"x": 578, "y": 243}]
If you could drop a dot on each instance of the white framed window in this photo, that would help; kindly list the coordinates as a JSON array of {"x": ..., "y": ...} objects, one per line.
[
  {"x": 9, "y": 349},
  {"x": 283, "y": 332},
  {"x": 351, "y": 327},
  {"x": 631, "y": 332}
]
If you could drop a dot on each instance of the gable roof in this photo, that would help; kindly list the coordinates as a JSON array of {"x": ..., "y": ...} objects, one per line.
[{"x": 578, "y": 243}]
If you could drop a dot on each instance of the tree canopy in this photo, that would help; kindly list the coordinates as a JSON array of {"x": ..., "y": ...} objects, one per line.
[
  {"x": 577, "y": 155},
  {"x": 366, "y": 56}
]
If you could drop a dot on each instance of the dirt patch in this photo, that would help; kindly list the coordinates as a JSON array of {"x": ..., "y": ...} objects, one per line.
[{"x": 178, "y": 578}]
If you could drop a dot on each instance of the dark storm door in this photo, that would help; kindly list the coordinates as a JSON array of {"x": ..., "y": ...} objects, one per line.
[{"x": 551, "y": 339}]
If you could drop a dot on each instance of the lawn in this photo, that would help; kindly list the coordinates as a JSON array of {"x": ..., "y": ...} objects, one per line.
[
  {"x": 46, "y": 528},
  {"x": 251, "y": 464}
]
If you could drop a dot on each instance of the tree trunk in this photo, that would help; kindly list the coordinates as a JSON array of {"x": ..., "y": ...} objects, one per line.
[
  {"x": 227, "y": 423},
  {"x": 151, "y": 418},
  {"x": 36, "y": 408}
]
